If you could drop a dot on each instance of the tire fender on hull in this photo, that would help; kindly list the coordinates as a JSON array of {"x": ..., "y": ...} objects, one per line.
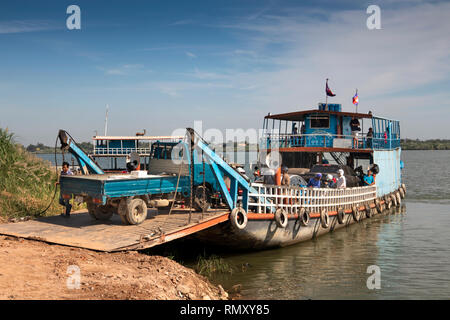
[
  {"x": 324, "y": 219},
  {"x": 281, "y": 218},
  {"x": 238, "y": 218}
]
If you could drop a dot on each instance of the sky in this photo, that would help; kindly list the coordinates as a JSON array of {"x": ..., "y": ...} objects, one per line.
[{"x": 161, "y": 65}]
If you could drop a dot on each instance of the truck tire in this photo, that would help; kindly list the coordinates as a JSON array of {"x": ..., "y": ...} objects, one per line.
[
  {"x": 91, "y": 209},
  {"x": 200, "y": 203},
  {"x": 122, "y": 211},
  {"x": 100, "y": 212},
  {"x": 136, "y": 212}
]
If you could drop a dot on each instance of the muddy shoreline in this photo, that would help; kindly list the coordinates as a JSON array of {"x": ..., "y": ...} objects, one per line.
[{"x": 36, "y": 270}]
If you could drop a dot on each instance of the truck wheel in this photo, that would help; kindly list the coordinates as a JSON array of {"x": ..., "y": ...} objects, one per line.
[
  {"x": 100, "y": 212},
  {"x": 201, "y": 203},
  {"x": 136, "y": 211},
  {"x": 122, "y": 211},
  {"x": 91, "y": 209}
]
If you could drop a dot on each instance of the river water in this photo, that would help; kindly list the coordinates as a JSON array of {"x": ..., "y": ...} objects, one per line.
[{"x": 410, "y": 248}]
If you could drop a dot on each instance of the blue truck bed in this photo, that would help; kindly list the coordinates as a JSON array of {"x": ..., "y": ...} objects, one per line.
[{"x": 104, "y": 186}]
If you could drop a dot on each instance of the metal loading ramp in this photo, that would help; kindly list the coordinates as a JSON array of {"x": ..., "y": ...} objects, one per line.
[{"x": 81, "y": 231}]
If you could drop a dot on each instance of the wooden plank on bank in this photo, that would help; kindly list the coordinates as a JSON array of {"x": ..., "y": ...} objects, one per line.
[{"x": 81, "y": 231}]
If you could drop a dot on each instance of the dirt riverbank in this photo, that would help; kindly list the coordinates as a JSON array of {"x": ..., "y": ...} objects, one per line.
[{"x": 37, "y": 270}]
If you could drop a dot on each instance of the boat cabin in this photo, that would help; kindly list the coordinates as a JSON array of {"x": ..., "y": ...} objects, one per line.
[
  {"x": 113, "y": 150},
  {"x": 303, "y": 137}
]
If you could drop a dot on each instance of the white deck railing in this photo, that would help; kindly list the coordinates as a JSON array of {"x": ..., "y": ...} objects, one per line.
[
  {"x": 271, "y": 197},
  {"x": 119, "y": 151}
]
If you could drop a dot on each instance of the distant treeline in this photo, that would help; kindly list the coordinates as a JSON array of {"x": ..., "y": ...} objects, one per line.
[
  {"x": 41, "y": 148},
  {"x": 407, "y": 144},
  {"x": 433, "y": 144}
]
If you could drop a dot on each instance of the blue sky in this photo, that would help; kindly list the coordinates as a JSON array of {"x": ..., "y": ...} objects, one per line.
[{"x": 160, "y": 65}]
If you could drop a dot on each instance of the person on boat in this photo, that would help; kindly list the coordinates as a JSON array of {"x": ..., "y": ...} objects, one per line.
[
  {"x": 256, "y": 173},
  {"x": 285, "y": 179},
  {"x": 131, "y": 165},
  {"x": 341, "y": 183},
  {"x": 330, "y": 181},
  {"x": 369, "y": 138},
  {"x": 354, "y": 126},
  {"x": 368, "y": 179},
  {"x": 269, "y": 176},
  {"x": 315, "y": 182},
  {"x": 65, "y": 202}
]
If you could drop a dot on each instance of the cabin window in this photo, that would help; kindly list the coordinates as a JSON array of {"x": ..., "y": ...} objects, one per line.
[
  {"x": 320, "y": 122},
  {"x": 162, "y": 152}
]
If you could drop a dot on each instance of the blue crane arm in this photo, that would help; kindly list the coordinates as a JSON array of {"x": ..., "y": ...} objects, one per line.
[
  {"x": 87, "y": 165},
  {"x": 221, "y": 168}
]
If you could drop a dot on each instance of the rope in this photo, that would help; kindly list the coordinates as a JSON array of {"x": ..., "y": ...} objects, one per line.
[{"x": 174, "y": 197}]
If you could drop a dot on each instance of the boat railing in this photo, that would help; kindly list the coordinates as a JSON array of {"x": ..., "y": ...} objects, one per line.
[
  {"x": 268, "y": 198},
  {"x": 120, "y": 151},
  {"x": 328, "y": 140}
]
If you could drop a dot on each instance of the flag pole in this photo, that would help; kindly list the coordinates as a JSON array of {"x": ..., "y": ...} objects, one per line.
[
  {"x": 358, "y": 101},
  {"x": 326, "y": 96}
]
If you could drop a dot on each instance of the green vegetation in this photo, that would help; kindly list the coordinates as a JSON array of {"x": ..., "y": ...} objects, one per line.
[
  {"x": 41, "y": 148},
  {"x": 433, "y": 144},
  {"x": 27, "y": 183},
  {"x": 206, "y": 266}
]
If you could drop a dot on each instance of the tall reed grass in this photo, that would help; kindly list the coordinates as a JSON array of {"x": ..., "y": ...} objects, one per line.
[{"x": 27, "y": 183}]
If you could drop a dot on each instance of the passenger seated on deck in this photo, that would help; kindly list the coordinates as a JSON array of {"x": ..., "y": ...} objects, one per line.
[
  {"x": 315, "y": 182},
  {"x": 269, "y": 176},
  {"x": 329, "y": 182},
  {"x": 368, "y": 179},
  {"x": 285, "y": 179},
  {"x": 341, "y": 183}
]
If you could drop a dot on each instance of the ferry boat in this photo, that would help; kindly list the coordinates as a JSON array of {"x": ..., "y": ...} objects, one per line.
[
  {"x": 252, "y": 214},
  {"x": 278, "y": 215}
]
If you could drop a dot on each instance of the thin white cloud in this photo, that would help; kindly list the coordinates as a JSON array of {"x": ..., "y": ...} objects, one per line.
[
  {"x": 20, "y": 26},
  {"x": 125, "y": 69},
  {"x": 190, "y": 55}
]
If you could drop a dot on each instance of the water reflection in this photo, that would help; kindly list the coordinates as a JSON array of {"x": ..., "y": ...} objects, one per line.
[{"x": 333, "y": 266}]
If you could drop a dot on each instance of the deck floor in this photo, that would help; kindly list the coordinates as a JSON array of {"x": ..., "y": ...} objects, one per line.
[{"x": 81, "y": 231}]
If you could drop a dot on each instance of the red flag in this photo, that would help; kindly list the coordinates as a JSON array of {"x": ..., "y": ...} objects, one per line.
[{"x": 328, "y": 90}]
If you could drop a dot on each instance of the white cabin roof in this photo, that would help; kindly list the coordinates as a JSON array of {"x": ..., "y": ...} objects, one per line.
[{"x": 137, "y": 137}]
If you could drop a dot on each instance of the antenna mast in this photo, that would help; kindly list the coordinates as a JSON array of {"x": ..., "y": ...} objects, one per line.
[{"x": 106, "y": 119}]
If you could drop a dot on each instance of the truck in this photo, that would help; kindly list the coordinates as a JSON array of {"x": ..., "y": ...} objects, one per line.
[{"x": 175, "y": 169}]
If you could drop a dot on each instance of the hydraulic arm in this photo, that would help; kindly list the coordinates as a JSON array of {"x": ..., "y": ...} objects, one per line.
[{"x": 87, "y": 165}]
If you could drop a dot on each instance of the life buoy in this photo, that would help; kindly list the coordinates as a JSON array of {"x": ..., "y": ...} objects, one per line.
[
  {"x": 304, "y": 217},
  {"x": 368, "y": 211},
  {"x": 238, "y": 218},
  {"x": 355, "y": 213},
  {"x": 341, "y": 215},
  {"x": 324, "y": 218},
  {"x": 378, "y": 206},
  {"x": 281, "y": 218}
]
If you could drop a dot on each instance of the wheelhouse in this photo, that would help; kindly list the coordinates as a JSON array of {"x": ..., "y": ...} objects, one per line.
[{"x": 305, "y": 138}]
